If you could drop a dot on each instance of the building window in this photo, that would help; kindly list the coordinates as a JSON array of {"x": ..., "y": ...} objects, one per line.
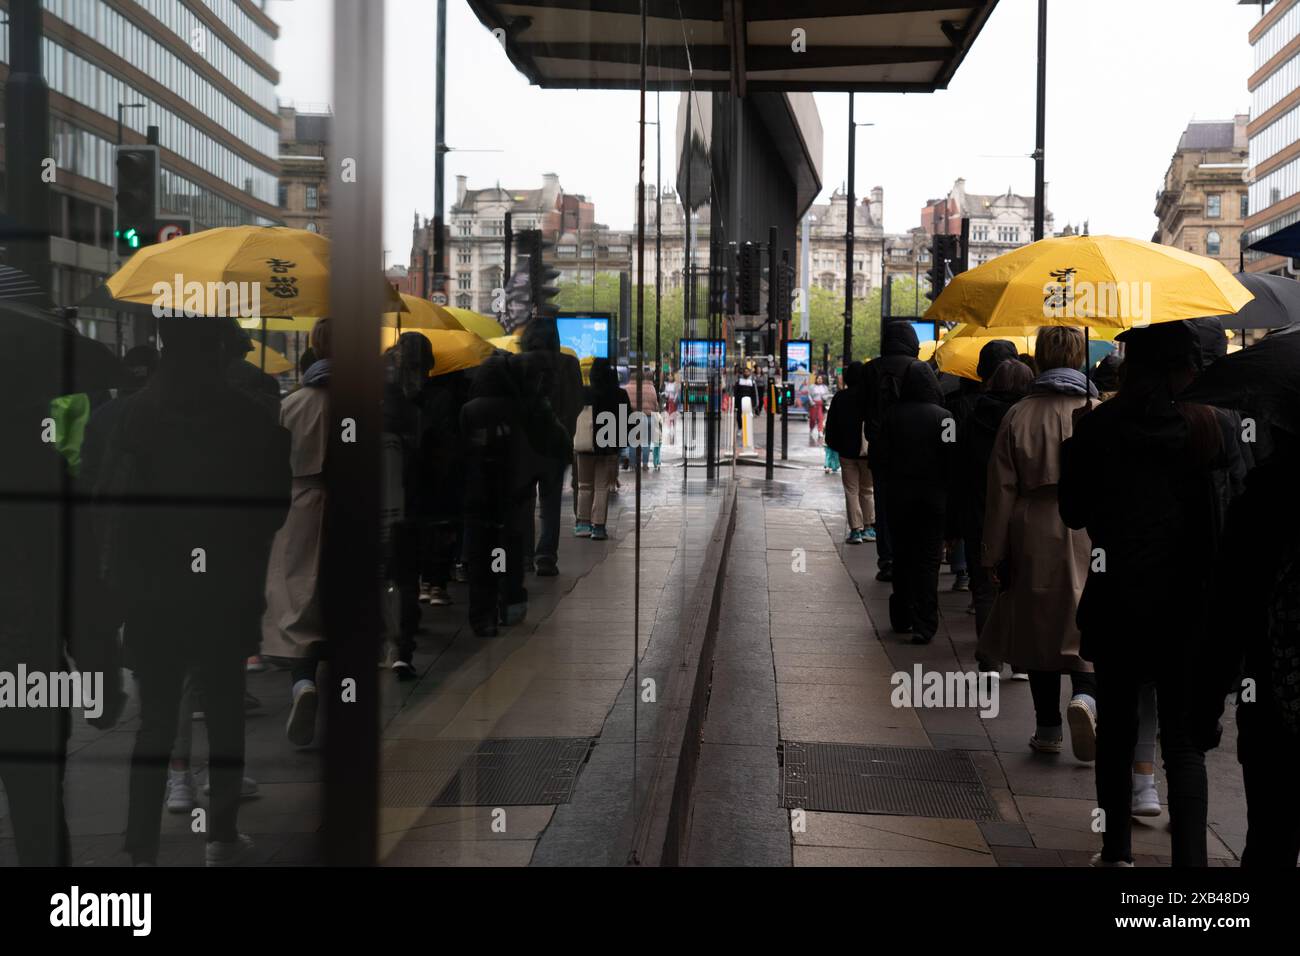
[
  {"x": 284, "y": 195},
  {"x": 1212, "y": 243},
  {"x": 463, "y": 257},
  {"x": 1213, "y": 206},
  {"x": 464, "y": 301},
  {"x": 465, "y": 228},
  {"x": 1245, "y": 205},
  {"x": 464, "y": 280},
  {"x": 312, "y": 227},
  {"x": 313, "y": 198},
  {"x": 980, "y": 234}
]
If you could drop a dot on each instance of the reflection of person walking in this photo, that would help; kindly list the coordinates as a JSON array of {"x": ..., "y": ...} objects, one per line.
[
  {"x": 292, "y": 628},
  {"x": 188, "y": 439},
  {"x": 597, "y": 447}
]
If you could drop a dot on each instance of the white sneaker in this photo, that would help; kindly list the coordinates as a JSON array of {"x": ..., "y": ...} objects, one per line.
[
  {"x": 438, "y": 597},
  {"x": 301, "y": 727},
  {"x": 1146, "y": 799},
  {"x": 180, "y": 791},
  {"x": 235, "y": 853},
  {"x": 1082, "y": 718},
  {"x": 1019, "y": 675},
  {"x": 1098, "y": 861}
]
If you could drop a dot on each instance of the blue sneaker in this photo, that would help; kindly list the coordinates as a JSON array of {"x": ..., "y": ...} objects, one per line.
[
  {"x": 582, "y": 529},
  {"x": 855, "y": 537},
  {"x": 598, "y": 533},
  {"x": 869, "y": 534}
]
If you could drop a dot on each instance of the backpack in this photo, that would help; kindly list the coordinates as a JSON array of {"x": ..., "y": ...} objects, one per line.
[{"x": 885, "y": 391}]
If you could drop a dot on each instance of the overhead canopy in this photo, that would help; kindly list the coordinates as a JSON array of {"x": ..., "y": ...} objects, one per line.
[{"x": 884, "y": 46}]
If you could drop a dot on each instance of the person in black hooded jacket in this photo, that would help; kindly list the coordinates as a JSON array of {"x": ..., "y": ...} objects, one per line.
[
  {"x": 881, "y": 385},
  {"x": 1138, "y": 474},
  {"x": 510, "y": 432},
  {"x": 1007, "y": 384},
  {"x": 914, "y": 455}
]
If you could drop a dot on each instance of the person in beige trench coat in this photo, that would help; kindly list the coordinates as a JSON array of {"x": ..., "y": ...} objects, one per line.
[
  {"x": 1040, "y": 565},
  {"x": 292, "y": 627}
]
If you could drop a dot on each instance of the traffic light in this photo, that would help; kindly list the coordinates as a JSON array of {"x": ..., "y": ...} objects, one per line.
[
  {"x": 541, "y": 276},
  {"x": 943, "y": 250},
  {"x": 137, "y": 197},
  {"x": 749, "y": 279}
]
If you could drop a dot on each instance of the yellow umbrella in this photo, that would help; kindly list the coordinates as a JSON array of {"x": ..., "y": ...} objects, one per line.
[
  {"x": 453, "y": 349},
  {"x": 486, "y": 326},
  {"x": 926, "y": 351},
  {"x": 240, "y": 271},
  {"x": 268, "y": 359},
  {"x": 1090, "y": 281},
  {"x": 422, "y": 314},
  {"x": 1015, "y": 332},
  {"x": 960, "y": 355}
]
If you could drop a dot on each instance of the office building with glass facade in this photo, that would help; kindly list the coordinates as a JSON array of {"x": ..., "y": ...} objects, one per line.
[
  {"x": 1273, "y": 166},
  {"x": 200, "y": 71}
]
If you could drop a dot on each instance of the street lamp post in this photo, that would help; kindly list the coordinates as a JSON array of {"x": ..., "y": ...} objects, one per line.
[
  {"x": 848, "y": 239},
  {"x": 1040, "y": 200}
]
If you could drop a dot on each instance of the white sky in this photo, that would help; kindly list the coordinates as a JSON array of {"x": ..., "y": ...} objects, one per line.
[{"x": 1124, "y": 78}]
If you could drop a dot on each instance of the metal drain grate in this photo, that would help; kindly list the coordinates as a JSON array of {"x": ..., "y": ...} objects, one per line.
[
  {"x": 497, "y": 772},
  {"x": 903, "y": 781}
]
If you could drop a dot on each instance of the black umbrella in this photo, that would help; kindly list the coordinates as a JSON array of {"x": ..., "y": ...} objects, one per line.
[
  {"x": 1262, "y": 382},
  {"x": 1275, "y": 306},
  {"x": 45, "y": 355}
]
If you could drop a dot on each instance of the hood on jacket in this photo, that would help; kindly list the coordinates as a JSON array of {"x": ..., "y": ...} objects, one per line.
[
  {"x": 853, "y": 374},
  {"x": 920, "y": 385},
  {"x": 899, "y": 338},
  {"x": 992, "y": 355}
]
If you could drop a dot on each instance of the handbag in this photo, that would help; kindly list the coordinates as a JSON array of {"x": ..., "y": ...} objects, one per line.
[{"x": 584, "y": 434}]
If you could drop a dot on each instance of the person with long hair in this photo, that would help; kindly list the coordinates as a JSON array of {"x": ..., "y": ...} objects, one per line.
[
  {"x": 1038, "y": 563},
  {"x": 597, "y": 451},
  {"x": 818, "y": 395}
]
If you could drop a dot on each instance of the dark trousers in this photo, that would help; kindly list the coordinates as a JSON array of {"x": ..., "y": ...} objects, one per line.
[
  {"x": 916, "y": 521},
  {"x": 405, "y": 574},
  {"x": 1045, "y": 689},
  {"x": 33, "y": 758},
  {"x": 494, "y": 552},
  {"x": 1270, "y": 768},
  {"x": 1118, "y": 689},
  {"x": 884, "y": 536},
  {"x": 439, "y": 545},
  {"x": 160, "y": 678},
  {"x": 550, "y": 491}
]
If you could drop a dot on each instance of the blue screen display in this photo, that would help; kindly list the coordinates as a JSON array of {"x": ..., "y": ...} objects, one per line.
[{"x": 588, "y": 335}]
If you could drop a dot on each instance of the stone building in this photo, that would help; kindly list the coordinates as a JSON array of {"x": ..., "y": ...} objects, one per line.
[
  {"x": 304, "y": 178},
  {"x": 998, "y": 223},
  {"x": 1203, "y": 204},
  {"x": 475, "y": 239}
]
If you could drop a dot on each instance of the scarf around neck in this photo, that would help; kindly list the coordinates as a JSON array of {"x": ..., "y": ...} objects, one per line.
[{"x": 1065, "y": 381}]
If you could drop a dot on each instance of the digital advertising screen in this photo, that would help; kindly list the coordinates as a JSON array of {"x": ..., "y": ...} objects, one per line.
[
  {"x": 798, "y": 356},
  {"x": 701, "y": 353},
  {"x": 588, "y": 335}
]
